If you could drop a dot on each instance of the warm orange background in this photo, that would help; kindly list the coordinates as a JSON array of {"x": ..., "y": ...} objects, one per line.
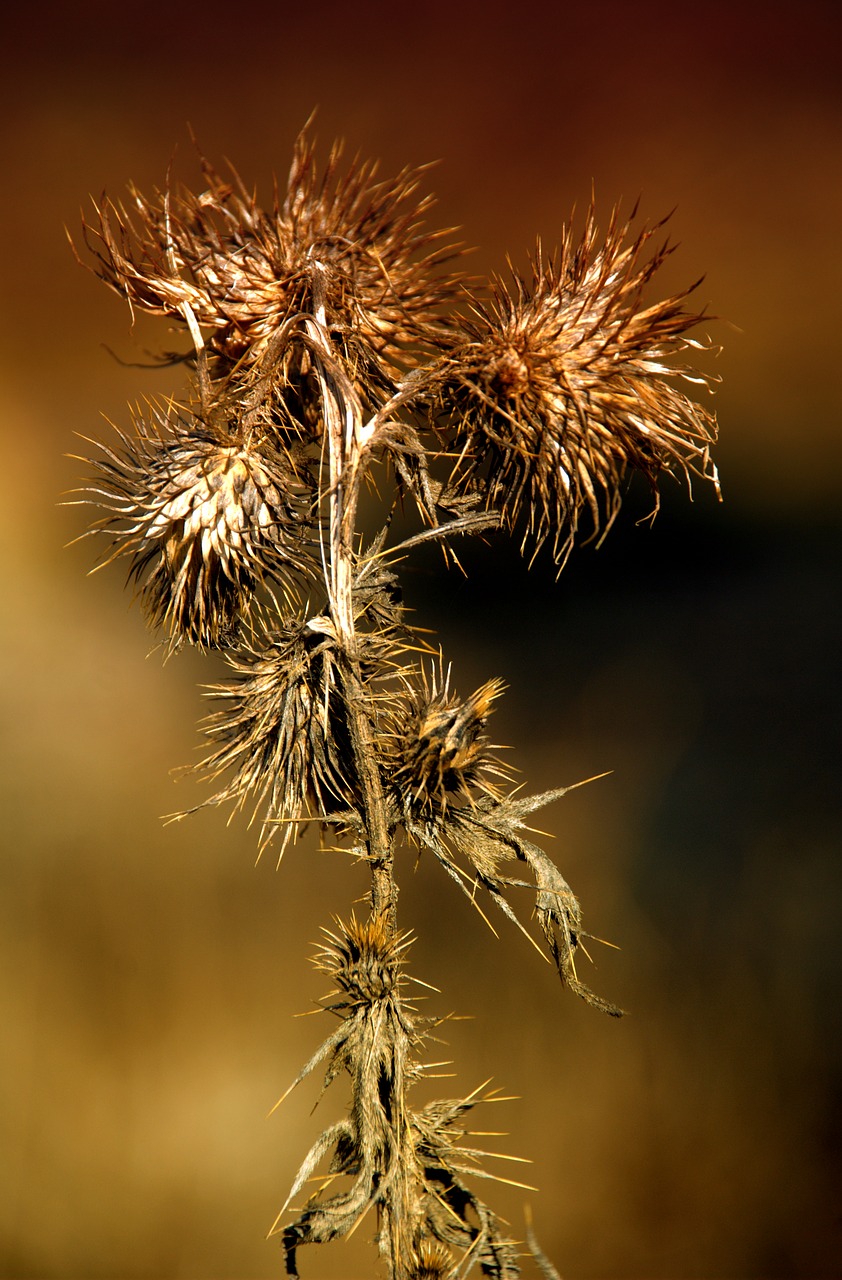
[{"x": 149, "y": 974}]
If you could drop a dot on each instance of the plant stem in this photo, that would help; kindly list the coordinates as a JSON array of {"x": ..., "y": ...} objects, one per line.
[
  {"x": 342, "y": 415},
  {"x": 384, "y": 892},
  {"x": 343, "y": 432}
]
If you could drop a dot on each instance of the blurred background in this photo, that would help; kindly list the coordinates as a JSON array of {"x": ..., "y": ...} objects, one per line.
[{"x": 150, "y": 973}]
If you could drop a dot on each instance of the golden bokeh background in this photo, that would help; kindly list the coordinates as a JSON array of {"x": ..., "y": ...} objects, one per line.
[{"x": 150, "y": 973}]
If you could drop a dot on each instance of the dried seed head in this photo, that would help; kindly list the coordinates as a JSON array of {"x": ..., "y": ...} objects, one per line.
[
  {"x": 345, "y": 246},
  {"x": 363, "y": 958},
  {"x": 281, "y": 734},
  {"x": 432, "y": 1262},
  {"x": 443, "y": 756},
  {"x": 383, "y": 284},
  {"x": 560, "y": 386},
  {"x": 203, "y": 518}
]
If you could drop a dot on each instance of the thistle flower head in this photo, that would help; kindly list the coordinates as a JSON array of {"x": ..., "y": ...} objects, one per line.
[
  {"x": 564, "y": 383},
  {"x": 203, "y": 516},
  {"x": 363, "y": 957},
  {"x": 443, "y": 756},
  {"x": 280, "y": 735},
  {"x": 343, "y": 247},
  {"x": 432, "y": 1262}
]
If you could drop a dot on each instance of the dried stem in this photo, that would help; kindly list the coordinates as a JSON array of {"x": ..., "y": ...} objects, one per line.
[{"x": 343, "y": 431}]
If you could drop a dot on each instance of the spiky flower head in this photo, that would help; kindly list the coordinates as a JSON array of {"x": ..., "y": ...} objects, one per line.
[
  {"x": 280, "y": 735},
  {"x": 564, "y": 383},
  {"x": 432, "y": 1262},
  {"x": 363, "y": 957},
  {"x": 345, "y": 247},
  {"x": 204, "y": 516},
  {"x": 442, "y": 754}
]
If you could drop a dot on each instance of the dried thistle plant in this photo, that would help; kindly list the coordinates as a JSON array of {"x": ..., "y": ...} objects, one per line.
[{"x": 331, "y": 345}]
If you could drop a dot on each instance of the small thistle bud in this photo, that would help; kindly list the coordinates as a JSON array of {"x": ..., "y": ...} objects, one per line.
[
  {"x": 432, "y": 1262},
  {"x": 560, "y": 386},
  {"x": 363, "y": 958},
  {"x": 203, "y": 518},
  {"x": 442, "y": 749}
]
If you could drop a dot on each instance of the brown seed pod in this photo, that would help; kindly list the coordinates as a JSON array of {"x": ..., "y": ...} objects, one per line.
[
  {"x": 562, "y": 384},
  {"x": 204, "y": 518}
]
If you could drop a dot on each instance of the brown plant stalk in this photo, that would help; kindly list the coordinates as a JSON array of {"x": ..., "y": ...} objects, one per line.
[{"x": 330, "y": 348}]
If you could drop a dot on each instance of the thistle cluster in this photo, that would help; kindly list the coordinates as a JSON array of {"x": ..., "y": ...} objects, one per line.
[{"x": 332, "y": 345}]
